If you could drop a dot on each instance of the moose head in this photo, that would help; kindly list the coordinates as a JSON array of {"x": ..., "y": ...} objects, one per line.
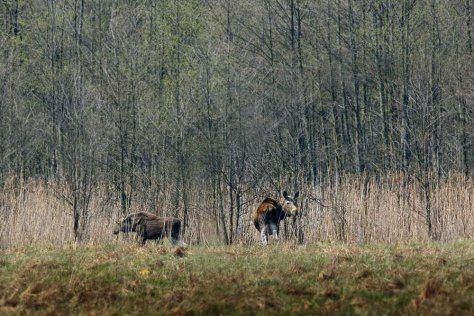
[{"x": 288, "y": 204}]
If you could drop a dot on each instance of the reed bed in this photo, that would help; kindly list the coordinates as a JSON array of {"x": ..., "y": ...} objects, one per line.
[{"x": 392, "y": 208}]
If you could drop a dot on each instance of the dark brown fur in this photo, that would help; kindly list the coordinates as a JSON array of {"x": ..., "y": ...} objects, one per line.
[
  {"x": 269, "y": 209},
  {"x": 270, "y": 212},
  {"x": 150, "y": 227}
]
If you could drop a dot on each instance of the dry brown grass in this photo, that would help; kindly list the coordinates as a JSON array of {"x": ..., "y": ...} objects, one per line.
[
  {"x": 391, "y": 209},
  {"x": 355, "y": 209}
]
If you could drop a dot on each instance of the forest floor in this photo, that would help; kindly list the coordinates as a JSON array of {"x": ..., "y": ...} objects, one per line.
[{"x": 316, "y": 279}]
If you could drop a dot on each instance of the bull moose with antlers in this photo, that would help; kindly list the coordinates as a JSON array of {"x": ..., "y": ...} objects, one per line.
[{"x": 270, "y": 212}]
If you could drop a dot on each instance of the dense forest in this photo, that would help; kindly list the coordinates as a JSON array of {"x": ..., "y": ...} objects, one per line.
[{"x": 200, "y": 109}]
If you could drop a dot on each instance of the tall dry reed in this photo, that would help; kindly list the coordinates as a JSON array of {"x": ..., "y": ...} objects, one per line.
[{"x": 390, "y": 208}]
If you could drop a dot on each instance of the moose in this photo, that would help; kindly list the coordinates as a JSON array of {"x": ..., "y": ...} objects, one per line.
[
  {"x": 270, "y": 212},
  {"x": 149, "y": 226}
]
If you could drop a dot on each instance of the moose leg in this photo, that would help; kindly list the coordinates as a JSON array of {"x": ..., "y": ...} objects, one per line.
[
  {"x": 274, "y": 229},
  {"x": 141, "y": 234},
  {"x": 174, "y": 234},
  {"x": 264, "y": 235},
  {"x": 174, "y": 238},
  {"x": 173, "y": 241}
]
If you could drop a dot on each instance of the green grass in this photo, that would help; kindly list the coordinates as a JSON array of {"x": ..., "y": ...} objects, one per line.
[{"x": 322, "y": 278}]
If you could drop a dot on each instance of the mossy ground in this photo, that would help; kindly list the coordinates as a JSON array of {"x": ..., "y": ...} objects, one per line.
[{"x": 320, "y": 278}]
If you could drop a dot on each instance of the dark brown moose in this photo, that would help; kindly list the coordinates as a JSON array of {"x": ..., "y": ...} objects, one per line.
[
  {"x": 149, "y": 226},
  {"x": 270, "y": 212}
]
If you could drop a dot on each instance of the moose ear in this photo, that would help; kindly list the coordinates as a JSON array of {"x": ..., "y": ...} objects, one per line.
[
  {"x": 285, "y": 194},
  {"x": 296, "y": 194}
]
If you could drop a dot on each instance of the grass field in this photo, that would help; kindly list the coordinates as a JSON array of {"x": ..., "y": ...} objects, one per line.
[{"x": 319, "y": 278}]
